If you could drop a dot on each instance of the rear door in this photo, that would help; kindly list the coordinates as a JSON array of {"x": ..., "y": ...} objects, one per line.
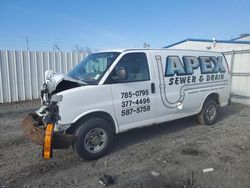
[{"x": 134, "y": 99}]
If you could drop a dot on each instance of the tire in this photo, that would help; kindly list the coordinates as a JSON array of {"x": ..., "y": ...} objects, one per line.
[
  {"x": 209, "y": 112},
  {"x": 93, "y": 139}
]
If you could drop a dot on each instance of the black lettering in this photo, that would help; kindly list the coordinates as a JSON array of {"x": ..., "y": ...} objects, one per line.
[
  {"x": 216, "y": 77},
  {"x": 212, "y": 77},
  {"x": 201, "y": 78},
  {"x": 177, "y": 80},
  {"x": 183, "y": 80},
  {"x": 171, "y": 80},
  {"x": 208, "y": 77},
  {"x": 193, "y": 79},
  {"x": 222, "y": 76}
]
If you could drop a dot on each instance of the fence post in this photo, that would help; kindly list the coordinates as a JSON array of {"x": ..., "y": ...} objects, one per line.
[
  {"x": 1, "y": 80},
  {"x": 231, "y": 67}
]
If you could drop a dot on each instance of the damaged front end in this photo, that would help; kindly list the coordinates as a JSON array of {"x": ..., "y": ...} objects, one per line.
[{"x": 42, "y": 126}]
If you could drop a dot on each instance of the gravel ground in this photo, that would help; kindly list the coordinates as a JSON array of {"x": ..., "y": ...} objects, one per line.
[{"x": 172, "y": 154}]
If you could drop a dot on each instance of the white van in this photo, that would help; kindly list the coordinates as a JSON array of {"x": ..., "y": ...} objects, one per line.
[{"x": 113, "y": 91}]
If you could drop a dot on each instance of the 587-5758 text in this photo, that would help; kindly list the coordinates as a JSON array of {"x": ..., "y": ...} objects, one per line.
[{"x": 137, "y": 110}]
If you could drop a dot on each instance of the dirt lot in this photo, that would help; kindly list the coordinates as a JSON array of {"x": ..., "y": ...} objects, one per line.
[{"x": 176, "y": 152}]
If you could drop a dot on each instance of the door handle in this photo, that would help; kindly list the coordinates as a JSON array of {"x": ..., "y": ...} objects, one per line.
[{"x": 152, "y": 87}]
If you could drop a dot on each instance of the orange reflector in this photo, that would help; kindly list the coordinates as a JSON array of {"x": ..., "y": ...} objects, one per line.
[{"x": 47, "y": 146}]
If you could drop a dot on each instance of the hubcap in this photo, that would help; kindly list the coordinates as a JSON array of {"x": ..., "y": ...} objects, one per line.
[
  {"x": 95, "y": 140},
  {"x": 211, "y": 112}
]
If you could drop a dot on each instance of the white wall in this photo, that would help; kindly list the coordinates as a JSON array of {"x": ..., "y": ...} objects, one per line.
[
  {"x": 220, "y": 47},
  {"x": 22, "y": 72},
  {"x": 240, "y": 68},
  {"x": 246, "y": 38}
]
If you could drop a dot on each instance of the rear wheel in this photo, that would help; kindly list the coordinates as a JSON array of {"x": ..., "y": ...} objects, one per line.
[
  {"x": 209, "y": 112},
  {"x": 93, "y": 138}
]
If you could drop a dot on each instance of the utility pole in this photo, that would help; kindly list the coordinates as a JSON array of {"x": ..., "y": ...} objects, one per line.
[{"x": 27, "y": 43}]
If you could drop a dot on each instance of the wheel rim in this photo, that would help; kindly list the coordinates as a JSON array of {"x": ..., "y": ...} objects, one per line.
[
  {"x": 95, "y": 140},
  {"x": 211, "y": 112}
]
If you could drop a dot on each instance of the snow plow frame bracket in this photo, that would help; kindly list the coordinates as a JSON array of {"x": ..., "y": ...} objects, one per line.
[{"x": 35, "y": 130}]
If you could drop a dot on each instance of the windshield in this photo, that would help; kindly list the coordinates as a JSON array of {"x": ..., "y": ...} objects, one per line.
[{"x": 92, "y": 68}]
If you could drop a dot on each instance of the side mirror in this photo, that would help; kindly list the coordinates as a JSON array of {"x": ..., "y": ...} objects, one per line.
[{"x": 121, "y": 74}]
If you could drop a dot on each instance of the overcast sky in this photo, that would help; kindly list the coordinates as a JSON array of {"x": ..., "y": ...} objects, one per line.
[{"x": 118, "y": 24}]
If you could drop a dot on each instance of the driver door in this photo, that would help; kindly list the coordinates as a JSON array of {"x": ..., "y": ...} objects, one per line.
[{"x": 134, "y": 98}]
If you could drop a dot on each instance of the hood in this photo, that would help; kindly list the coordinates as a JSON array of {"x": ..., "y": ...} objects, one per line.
[{"x": 60, "y": 82}]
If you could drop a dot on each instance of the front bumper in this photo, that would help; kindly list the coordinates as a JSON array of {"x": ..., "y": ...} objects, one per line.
[{"x": 34, "y": 129}]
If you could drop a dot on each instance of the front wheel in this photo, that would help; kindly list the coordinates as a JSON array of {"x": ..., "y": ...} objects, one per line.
[
  {"x": 93, "y": 138},
  {"x": 209, "y": 112}
]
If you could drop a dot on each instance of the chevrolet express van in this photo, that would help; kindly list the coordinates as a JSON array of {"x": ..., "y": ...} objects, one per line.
[{"x": 110, "y": 92}]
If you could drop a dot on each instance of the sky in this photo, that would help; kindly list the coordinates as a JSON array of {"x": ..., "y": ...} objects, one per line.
[{"x": 113, "y": 24}]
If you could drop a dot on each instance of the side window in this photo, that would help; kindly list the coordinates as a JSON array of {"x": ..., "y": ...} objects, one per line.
[{"x": 136, "y": 66}]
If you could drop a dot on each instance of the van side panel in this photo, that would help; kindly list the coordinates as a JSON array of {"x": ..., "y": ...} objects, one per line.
[{"x": 185, "y": 79}]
